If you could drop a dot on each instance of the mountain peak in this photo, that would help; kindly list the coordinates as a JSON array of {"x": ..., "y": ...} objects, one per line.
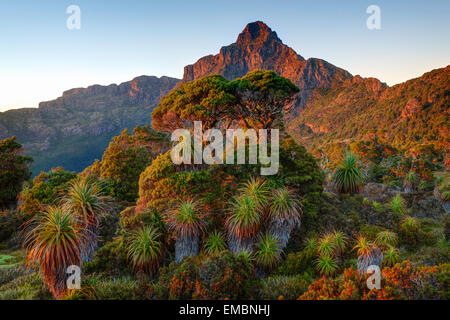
[
  {"x": 255, "y": 31},
  {"x": 258, "y": 47}
]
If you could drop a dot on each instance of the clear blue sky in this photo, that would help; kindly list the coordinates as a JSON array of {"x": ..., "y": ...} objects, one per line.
[{"x": 119, "y": 40}]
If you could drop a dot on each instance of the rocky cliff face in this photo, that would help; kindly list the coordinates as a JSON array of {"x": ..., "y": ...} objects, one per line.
[
  {"x": 74, "y": 129},
  {"x": 143, "y": 90},
  {"x": 258, "y": 47}
]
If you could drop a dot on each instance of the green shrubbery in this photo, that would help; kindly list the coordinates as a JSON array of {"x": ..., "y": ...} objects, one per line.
[
  {"x": 212, "y": 277},
  {"x": 283, "y": 287},
  {"x": 111, "y": 259},
  {"x": 47, "y": 189},
  {"x": 10, "y": 222},
  {"x": 295, "y": 263},
  {"x": 25, "y": 287},
  {"x": 126, "y": 157},
  {"x": 14, "y": 171}
]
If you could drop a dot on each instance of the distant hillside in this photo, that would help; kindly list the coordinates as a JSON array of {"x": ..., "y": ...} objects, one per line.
[
  {"x": 407, "y": 115},
  {"x": 74, "y": 129}
]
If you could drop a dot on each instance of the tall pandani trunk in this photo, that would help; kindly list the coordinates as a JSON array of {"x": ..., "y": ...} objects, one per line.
[
  {"x": 240, "y": 244},
  {"x": 366, "y": 260},
  {"x": 185, "y": 246},
  {"x": 56, "y": 281},
  {"x": 281, "y": 229},
  {"x": 88, "y": 250}
]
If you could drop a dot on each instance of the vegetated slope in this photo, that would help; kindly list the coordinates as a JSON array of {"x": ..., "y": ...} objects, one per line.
[
  {"x": 74, "y": 129},
  {"x": 409, "y": 115}
]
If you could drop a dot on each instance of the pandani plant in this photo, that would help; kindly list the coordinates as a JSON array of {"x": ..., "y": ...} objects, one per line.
[
  {"x": 54, "y": 240},
  {"x": 145, "y": 249},
  {"x": 284, "y": 212},
  {"x": 215, "y": 243},
  {"x": 187, "y": 222},
  {"x": 246, "y": 214},
  {"x": 268, "y": 252},
  {"x": 349, "y": 176},
  {"x": 87, "y": 201},
  {"x": 368, "y": 254}
]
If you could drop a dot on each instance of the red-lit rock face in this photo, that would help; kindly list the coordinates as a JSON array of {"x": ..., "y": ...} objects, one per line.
[{"x": 258, "y": 47}]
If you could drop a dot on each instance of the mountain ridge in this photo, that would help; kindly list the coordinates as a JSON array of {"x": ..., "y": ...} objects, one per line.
[
  {"x": 258, "y": 47},
  {"x": 74, "y": 129},
  {"x": 98, "y": 112},
  {"x": 410, "y": 115}
]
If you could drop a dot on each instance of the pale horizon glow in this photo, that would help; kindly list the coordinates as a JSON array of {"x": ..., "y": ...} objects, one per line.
[{"x": 118, "y": 41}]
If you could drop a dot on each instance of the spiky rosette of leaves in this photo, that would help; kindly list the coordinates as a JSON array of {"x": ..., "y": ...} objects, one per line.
[
  {"x": 268, "y": 253},
  {"x": 215, "y": 243},
  {"x": 368, "y": 254},
  {"x": 386, "y": 239},
  {"x": 245, "y": 217},
  {"x": 86, "y": 199},
  {"x": 145, "y": 249},
  {"x": 340, "y": 241},
  {"x": 364, "y": 246},
  {"x": 410, "y": 224},
  {"x": 410, "y": 181},
  {"x": 53, "y": 241},
  {"x": 285, "y": 210},
  {"x": 187, "y": 222},
  {"x": 398, "y": 205},
  {"x": 391, "y": 256},
  {"x": 326, "y": 246},
  {"x": 285, "y": 205},
  {"x": 186, "y": 219},
  {"x": 349, "y": 176},
  {"x": 326, "y": 265},
  {"x": 257, "y": 189}
]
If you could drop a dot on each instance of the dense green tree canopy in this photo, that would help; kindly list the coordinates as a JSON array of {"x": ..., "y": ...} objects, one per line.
[
  {"x": 254, "y": 101},
  {"x": 208, "y": 99},
  {"x": 262, "y": 96},
  {"x": 299, "y": 169},
  {"x": 13, "y": 171},
  {"x": 125, "y": 158},
  {"x": 47, "y": 189},
  {"x": 162, "y": 183}
]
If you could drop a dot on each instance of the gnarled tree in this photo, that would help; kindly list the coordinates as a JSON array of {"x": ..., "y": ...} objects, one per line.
[
  {"x": 208, "y": 99},
  {"x": 261, "y": 98}
]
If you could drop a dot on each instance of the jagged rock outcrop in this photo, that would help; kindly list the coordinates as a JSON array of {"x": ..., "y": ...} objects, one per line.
[
  {"x": 411, "y": 107},
  {"x": 258, "y": 47}
]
